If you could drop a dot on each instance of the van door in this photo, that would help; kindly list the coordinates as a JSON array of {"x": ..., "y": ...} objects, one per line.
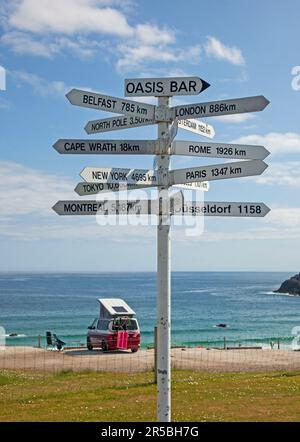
[{"x": 99, "y": 333}]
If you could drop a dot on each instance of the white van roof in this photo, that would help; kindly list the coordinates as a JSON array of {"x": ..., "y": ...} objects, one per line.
[{"x": 116, "y": 306}]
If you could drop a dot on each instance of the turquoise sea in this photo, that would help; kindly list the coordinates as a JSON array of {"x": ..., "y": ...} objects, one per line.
[{"x": 66, "y": 304}]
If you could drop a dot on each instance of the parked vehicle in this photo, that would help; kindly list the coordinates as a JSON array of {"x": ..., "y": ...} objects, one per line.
[{"x": 116, "y": 328}]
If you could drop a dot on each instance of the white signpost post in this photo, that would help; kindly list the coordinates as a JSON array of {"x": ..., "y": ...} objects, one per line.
[{"x": 134, "y": 114}]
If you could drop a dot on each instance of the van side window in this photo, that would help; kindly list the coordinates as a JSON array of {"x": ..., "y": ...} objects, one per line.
[{"x": 102, "y": 324}]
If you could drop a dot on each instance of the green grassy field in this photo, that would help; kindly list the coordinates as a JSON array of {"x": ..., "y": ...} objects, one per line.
[{"x": 196, "y": 396}]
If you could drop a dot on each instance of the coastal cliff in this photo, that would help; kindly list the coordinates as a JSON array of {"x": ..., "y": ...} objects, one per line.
[{"x": 291, "y": 286}]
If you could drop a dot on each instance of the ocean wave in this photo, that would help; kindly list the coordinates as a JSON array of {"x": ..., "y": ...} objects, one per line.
[
  {"x": 197, "y": 291},
  {"x": 21, "y": 335},
  {"x": 277, "y": 294}
]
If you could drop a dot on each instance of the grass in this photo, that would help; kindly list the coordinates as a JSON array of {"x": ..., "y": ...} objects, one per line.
[{"x": 196, "y": 396}]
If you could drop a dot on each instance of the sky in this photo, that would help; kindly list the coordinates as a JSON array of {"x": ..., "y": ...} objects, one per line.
[{"x": 47, "y": 47}]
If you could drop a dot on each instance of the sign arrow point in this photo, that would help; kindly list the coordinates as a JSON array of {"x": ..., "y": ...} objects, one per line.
[
  {"x": 55, "y": 207},
  {"x": 267, "y": 153},
  {"x": 55, "y": 146},
  {"x": 86, "y": 128},
  {"x": 205, "y": 85},
  {"x": 265, "y": 166},
  {"x": 82, "y": 173},
  {"x": 267, "y": 208},
  {"x": 69, "y": 94}
]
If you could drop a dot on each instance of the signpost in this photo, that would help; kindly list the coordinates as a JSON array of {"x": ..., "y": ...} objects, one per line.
[
  {"x": 203, "y": 185},
  {"x": 116, "y": 123},
  {"x": 164, "y": 87},
  {"x": 221, "y": 107},
  {"x": 214, "y": 208},
  {"x": 75, "y": 146},
  {"x": 107, "y": 103},
  {"x": 197, "y": 127},
  {"x": 106, "y": 207},
  {"x": 218, "y": 172},
  {"x": 136, "y": 114},
  {"x": 119, "y": 175},
  {"x": 219, "y": 150},
  {"x": 83, "y": 189}
]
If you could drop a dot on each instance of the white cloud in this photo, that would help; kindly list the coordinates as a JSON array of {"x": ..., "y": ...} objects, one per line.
[
  {"x": 22, "y": 43},
  {"x": 133, "y": 57},
  {"x": 275, "y": 142},
  {"x": 281, "y": 174},
  {"x": 235, "y": 118},
  {"x": 153, "y": 35},
  {"x": 285, "y": 217},
  {"x": 47, "y": 28},
  {"x": 75, "y": 228},
  {"x": 215, "y": 48},
  {"x": 40, "y": 86},
  {"x": 68, "y": 17},
  {"x": 27, "y": 194},
  {"x": 27, "y": 191}
]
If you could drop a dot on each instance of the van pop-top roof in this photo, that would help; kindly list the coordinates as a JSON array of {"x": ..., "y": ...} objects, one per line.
[{"x": 114, "y": 307}]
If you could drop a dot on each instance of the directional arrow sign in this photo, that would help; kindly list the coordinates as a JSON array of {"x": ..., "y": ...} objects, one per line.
[
  {"x": 213, "y": 208},
  {"x": 75, "y": 146},
  {"x": 221, "y": 107},
  {"x": 83, "y": 189},
  {"x": 116, "y": 123},
  {"x": 107, "y": 207},
  {"x": 164, "y": 87},
  {"x": 110, "y": 104},
  {"x": 219, "y": 150},
  {"x": 117, "y": 175},
  {"x": 203, "y": 186},
  {"x": 217, "y": 172},
  {"x": 197, "y": 127}
]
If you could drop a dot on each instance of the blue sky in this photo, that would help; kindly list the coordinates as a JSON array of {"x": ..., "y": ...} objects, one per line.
[{"x": 241, "y": 48}]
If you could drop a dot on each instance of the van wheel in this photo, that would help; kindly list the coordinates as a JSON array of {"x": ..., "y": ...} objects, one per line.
[
  {"x": 104, "y": 346},
  {"x": 89, "y": 346},
  {"x": 134, "y": 350}
]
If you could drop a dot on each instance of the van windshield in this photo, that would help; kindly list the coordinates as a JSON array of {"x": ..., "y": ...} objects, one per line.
[{"x": 124, "y": 324}]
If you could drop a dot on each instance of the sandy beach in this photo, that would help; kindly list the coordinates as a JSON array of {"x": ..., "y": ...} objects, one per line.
[{"x": 182, "y": 358}]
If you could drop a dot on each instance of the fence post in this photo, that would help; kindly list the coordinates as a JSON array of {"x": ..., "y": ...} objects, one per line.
[
  {"x": 278, "y": 344},
  {"x": 39, "y": 341},
  {"x": 225, "y": 344}
]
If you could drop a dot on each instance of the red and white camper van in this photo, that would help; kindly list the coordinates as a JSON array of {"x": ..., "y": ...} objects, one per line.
[{"x": 116, "y": 328}]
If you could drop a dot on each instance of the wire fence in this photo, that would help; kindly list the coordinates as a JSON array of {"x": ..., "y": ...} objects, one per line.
[{"x": 238, "y": 357}]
